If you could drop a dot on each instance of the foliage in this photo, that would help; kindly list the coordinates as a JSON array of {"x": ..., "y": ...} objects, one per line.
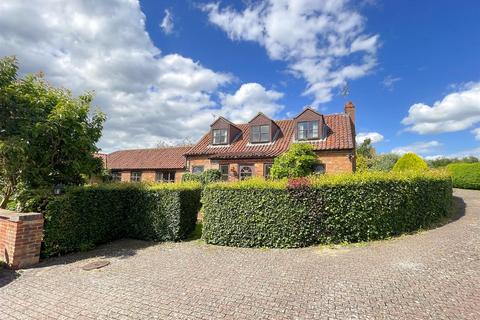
[
  {"x": 383, "y": 162},
  {"x": 328, "y": 209},
  {"x": 410, "y": 162},
  {"x": 443, "y": 162},
  {"x": 361, "y": 163},
  {"x": 465, "y": 175},
  {"x": 46, "y": 135},
  {"x": 206, "y": 177},
  {"x": 366, "y": 149},
  {"x": 299, "y": 161},
  {"x": 87, "y": 216}
]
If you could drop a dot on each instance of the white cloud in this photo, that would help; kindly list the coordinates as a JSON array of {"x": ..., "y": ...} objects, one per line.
[
  {"x": 421, "y": 148},
  {"x": 456, "y": 111},
  {"x": 373, "y": 136},
  {"x": 167, "y": 22},
  {"x": 389, "y": 82},
  {"x": 322, "y": 41},
  {"x": 104, "y": 47},
  {"x": 251, "y": 98},
  {"x": 476, "y": 133}
]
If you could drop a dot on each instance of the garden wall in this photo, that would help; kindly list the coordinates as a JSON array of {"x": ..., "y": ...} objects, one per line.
[
  {"x": 330, "y": 209},
  {"x": 88, "y": 216},
  {"x": 20, "y": 238}
]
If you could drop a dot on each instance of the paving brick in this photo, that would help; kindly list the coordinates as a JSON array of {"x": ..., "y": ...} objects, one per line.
[{"x": 428, "y": 275}]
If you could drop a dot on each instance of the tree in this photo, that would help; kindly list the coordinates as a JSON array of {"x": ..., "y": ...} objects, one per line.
[
  {"x": 299, "y": 161},
  {"x": 410, "y": 162},
  {"x": 443, "y": 162},
  {"x": 366, "y": 149},
  {"x": 47, "y": 136},
  {"x": 384, "y": 162}
]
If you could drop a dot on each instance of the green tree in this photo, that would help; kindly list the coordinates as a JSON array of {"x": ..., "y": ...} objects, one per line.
[
  {"x": 384, "y": 162},
  {"x": 47, "y": 136},
  {"x": 366, "y": 149},
  {"x": 410, "y": 162},
  {"x": 299, "y": 161}
]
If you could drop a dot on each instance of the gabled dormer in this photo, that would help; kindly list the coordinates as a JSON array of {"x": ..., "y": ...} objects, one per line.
[
  {"x": 309, "y": 125},
  {"x": 262, "y": 129},
  {"x": 223, "y": 132}
]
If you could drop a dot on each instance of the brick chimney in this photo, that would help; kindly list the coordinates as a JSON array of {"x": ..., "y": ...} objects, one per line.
[{"x": 350, "y": 110}]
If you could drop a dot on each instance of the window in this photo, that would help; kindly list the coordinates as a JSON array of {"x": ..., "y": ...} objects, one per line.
[
  {"x": 246, "y": 172},
  {"x": 116, "y": 176},
  {"x": 224, "y": 171},
  {"x": 261, "y": 133},
  {"x": 165, "y": 176},
  {"x": 197, "y": 169},
  {"x": 136, "y": 176},
  {"x": 266, "y": 169},
  {"x": 319, "y": 169},
  {"x": 307, "y": 130},
  {"x": 220, "y": 136}
]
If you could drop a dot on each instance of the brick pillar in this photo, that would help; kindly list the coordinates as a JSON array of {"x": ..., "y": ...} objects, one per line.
[{"x": 20, "y": 238}]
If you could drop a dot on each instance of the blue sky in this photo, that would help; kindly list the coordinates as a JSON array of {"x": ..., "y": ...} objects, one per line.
[{"x": 162, "y": 70}]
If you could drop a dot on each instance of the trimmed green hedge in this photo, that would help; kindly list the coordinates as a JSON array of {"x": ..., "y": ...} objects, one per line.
[
  {"x": 328, "y": 209},
  {"x": 87, "y": 216},
  {"x": 465, "y": 175}
]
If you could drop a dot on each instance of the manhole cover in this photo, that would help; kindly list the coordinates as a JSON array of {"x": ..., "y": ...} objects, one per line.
[{"x": 95, "y": 265}]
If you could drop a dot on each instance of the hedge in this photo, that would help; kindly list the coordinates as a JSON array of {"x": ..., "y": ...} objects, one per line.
[
  {"x": 465, "y": 175},
  {"x": 87, "y": 216},
  {"x": 328, "y": 209}
]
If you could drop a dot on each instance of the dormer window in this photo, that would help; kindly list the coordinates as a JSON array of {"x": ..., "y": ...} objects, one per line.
[
  {"x": 220, "y": 136},
  {"x": 307, "y": 130},
  {"x": 260, "y": 133}
]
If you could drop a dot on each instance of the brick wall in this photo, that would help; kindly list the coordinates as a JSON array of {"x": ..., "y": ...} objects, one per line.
[
  {"x": 20, "y": 238},
  {"x": 149, "y": 175},
  {"x": 336, "y": 161}
]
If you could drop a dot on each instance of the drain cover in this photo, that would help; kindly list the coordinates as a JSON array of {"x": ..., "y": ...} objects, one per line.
[{"x": 95, "y": 265}]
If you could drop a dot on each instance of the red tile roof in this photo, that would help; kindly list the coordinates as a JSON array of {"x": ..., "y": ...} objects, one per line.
[
  {"x": 340, "y": 137},
  {"x": 157, "y": 158}
]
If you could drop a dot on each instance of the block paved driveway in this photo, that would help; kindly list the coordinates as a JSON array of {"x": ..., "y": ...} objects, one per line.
[{"x": 430, "y": 275}]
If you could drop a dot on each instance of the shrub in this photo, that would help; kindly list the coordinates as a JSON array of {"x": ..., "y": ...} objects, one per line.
[
  {"x": 465, "y": 175},
  {"x": 410, "y": 162},
  {"x": 361, "y": 163},
  {"x": 384, "y": 162},
  {"x": 87, "y": 216},
  {"x": 328, "y": 209},
  {"x": 206, "y": 177},
  {"x": 299, "y": 161}
]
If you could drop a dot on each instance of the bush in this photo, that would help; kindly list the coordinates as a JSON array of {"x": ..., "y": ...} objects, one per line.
[
  {"x": 326, "y": 209},
  {"x": 410, "y": 162},
  {"x": 299, "y": 161},
  {"x": 87, "y": 216},
  {"x": 206, "y": 177},
  {"x": 384, "y": 162},
  {"x": 465, "y": 175}
]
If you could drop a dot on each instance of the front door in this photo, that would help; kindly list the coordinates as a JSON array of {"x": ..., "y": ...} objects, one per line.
[{"x": 246, "y": 171}]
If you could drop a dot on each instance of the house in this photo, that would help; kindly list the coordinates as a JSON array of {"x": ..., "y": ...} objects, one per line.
[
  {"x": 245, "y": 150},
  {"x": 147, "y": 165}
]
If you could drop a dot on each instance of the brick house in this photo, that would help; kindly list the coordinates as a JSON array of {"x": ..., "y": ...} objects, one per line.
[
  {"x": 248, "y": 149},
  {"x": 244, "y": 150},
  {"x": 148, "y": 165}
]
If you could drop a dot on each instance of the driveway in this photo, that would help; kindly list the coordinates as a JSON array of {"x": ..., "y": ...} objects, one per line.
[{"x": 429, "y": 275}]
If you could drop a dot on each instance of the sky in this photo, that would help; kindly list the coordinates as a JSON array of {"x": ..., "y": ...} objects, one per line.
[{"x": 163, "y": 70}]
